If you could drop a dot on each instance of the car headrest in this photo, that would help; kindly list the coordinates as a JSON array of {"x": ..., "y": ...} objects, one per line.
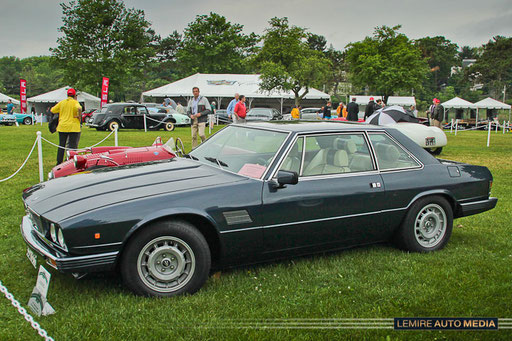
[
  {"x": 340, "y": 158},
  {"x": 348, "y": 145},
  {"x": 387, "y": 152}
]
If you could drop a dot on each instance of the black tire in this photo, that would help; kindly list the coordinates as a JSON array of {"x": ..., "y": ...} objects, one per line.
[
  {"x": 435, "y": 151},
  {"x": 112, "y": 124},
  {"x": 168, "y": 126},
  {"x": 160, "y": 254},
  {"x": 427, "y": 226},
  {"x": 27, "y": 121}
]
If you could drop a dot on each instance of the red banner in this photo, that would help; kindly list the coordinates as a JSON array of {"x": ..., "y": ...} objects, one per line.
[
  {"x": 104, "y": 91},
  {"x": 23, "y": 96}
]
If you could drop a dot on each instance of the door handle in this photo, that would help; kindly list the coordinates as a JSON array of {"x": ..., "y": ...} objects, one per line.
[{"x": 375, "y": 185}]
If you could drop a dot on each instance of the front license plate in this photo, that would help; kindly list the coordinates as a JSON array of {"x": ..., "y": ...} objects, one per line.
[
  {"x": 32, "y": 257},
  {"x": 430, "y": 141}
]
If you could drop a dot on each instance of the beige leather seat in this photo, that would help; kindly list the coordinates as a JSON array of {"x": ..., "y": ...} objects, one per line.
[
  {"x": 387, "y": 155},
  {"x": 329, "y": 161}
]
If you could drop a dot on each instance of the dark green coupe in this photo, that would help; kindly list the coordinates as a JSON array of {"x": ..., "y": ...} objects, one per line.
[{"x": 251, "y": 193}]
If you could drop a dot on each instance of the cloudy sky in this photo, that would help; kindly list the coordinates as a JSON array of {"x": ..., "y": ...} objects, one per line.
[{"x": 30, "y": 27}]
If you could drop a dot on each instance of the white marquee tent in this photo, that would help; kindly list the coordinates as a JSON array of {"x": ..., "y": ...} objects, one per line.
[
  {"x": 223, "y": 87},
  {"x": 5, "y": 98},
  {"x": 404, "y": 101},
  {"x": 43, "y": 101},
  {"x": 457, "y": 103},
  {"x": 491, "y": 103}
]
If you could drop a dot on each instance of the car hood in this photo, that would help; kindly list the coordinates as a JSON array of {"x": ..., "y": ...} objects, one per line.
[
  {"x": 62, "y": 198},
  {"x": 418, "y": 132}
]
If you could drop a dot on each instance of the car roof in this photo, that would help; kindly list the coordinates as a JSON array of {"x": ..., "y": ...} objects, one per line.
[{"x": 313, "y": 126}]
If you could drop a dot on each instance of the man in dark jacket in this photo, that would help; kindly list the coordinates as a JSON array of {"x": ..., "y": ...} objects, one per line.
[
  {"x": 370, "y": 108},
  {"x": 327, "y": 111},
  {"x": 438, "y": 113},
  {"x": 352, "y": 110},
  {"x": 198, "y": 109}
]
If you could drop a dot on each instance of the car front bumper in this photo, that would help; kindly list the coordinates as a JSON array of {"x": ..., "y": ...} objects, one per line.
[
  {"x": 475, "y": 207},
  {"x": 61, "y": 261}
]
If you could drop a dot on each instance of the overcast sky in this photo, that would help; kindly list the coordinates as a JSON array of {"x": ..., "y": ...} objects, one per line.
[{"x": 30, "y": 27}]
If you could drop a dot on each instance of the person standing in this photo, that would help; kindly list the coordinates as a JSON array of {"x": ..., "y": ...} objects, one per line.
[
  {"x": 10, "y": 107},
  {"x": 327, "y": 111},
  {"x": 69, "y": 111},
  {"x": 240, "y": 111},
  {"x": 370, "y": 108},
  {"x": 353, "y": 110},
  {"x": 198, "y": 109},
  {"x": 296, "y": 113},
  {"x": 438, "y": 113},
  {"x": 231, "y": 107}
]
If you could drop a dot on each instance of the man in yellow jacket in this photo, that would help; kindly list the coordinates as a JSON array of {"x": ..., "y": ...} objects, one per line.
[
  {"x": 296, "y": 113},
  {"x": 69, "y": 111}
]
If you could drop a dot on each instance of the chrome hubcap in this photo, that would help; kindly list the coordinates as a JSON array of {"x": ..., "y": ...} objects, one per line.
[
  {"x": 430, "y": 225},
  {"x": 166, "y": 264}
]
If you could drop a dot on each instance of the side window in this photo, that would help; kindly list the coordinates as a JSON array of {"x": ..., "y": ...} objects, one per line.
[
  {"x": 293, "y": 160},
  {"x": 336, "y": 154},
  {"x": 389, "y": 154}
]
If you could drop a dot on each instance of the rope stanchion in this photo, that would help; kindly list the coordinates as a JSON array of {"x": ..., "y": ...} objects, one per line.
[
  {"x": 489, "y": 134},
  {"x": 115, "y": 137},
  {"x": 24, "y": 162},
  {"x": 451, "y": 127},
  {"x": 456, "y": 126},
  {"x": 145, "y": 124},
  {"x": 40, "y": 156}
]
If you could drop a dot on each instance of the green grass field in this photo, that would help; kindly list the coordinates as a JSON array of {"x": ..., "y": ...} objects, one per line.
[{"x": 471, "y": 277}]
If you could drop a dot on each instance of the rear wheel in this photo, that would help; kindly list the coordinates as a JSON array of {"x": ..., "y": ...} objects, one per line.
[
  {"x": 427, "y": 225},
  {"x": 27, "y": 121},
  {"x": 435, "y": 151},
  {"x": 113, "y": 125},
  {"x": 168, "y": 258},
  {"x": 179, "y": 148},
  {"x": 169, "y": 126}
]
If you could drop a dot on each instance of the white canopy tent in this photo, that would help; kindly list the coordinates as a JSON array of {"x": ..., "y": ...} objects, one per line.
[
  {"x": 224, "y": 86},
  {"x": 5, "y": 98},
  {"x": 404, "y": 101},
  {"x": 491, "y": 103},
  {"x": 44, "y": 101},
  {"x": 457, "y": 103}
]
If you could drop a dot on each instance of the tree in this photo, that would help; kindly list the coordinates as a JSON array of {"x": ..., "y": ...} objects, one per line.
[
  {"x": 467, "y": 52},
  {"x": 316, "y": 42},
  {"x": 42, "y": 75},
  {"x": 494, "y": 67},
  {"x": 211, "y": 44},
  {"x": 10, "y": 73},
  {"x": 387, "y": 63},
  {"x": 286, "y": 62},
  {"x": 103, "y": 38},
  {"x": 441, "y": 54}
]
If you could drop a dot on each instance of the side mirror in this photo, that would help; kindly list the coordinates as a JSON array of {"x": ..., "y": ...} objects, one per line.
[{"x": 285, "y": 178}]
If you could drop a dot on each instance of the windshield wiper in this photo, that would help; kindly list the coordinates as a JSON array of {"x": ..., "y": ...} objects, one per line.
[
  {"x": 217, "y": 161},
  {"x": 188, "y": 156}
]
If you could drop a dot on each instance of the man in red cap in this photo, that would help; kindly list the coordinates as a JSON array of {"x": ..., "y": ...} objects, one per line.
[
  {"x": 69, "y": 111},
  {"x": 370, "y": 108},
  {"x": 437, "y": 113}
]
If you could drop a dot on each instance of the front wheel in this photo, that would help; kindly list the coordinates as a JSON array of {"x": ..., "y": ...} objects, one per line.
[
  {"x": 27, "y": 121},
  {"x": 169, "y": 126},
  {"x": 427, "y": 226},
  {"x": 179, "y": 148},
  {"x": 168, "y": 258}
]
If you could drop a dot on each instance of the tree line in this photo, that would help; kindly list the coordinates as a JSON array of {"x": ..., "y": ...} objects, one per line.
[{"x": 104, "y": 38}]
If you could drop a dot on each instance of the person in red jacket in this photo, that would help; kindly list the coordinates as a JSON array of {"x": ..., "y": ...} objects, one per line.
[{"x": 240, "y": 110}]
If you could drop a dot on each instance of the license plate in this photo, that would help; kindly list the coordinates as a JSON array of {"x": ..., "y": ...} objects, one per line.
[
  {"x": 430, "y": 141},
  {"x": 32, "y": 257}
]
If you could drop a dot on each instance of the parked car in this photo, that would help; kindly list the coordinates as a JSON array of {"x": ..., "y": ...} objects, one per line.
[
  {"x": 250, "y": 193},
  {"x": 263, "y": 114},
  {"x": 172, "y": 115},
  {"x": 101, "y": 157},
  {"x": 130, "y": 115},
  {"x": 12, "y": 119},
  {"x": 431, "y": 138},
  {"x": 87, "y": 115},
  {"x": 222, "y": 116}
]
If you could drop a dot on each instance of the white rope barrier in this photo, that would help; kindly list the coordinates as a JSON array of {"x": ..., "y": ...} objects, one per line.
[
  {"x": 56, "y": 145},
  {"x": 152, "y": 119},
  {"x": 24, "y": 162}
]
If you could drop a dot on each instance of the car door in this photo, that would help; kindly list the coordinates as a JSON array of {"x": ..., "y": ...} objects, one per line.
[
  {"x": 332, "y": 203},
  {"x": 130, "y": 117}
]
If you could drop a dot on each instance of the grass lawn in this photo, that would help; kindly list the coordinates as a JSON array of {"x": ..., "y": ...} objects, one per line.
[{"x": 471, "y": 277}]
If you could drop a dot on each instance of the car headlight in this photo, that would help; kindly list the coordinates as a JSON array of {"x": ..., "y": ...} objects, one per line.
[
  {"x": 60, "y": 239},
  {"x": 53, "y": 232}
]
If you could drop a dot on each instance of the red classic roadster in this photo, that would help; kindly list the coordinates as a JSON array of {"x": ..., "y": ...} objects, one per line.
[{"x": 99, "y": 157}]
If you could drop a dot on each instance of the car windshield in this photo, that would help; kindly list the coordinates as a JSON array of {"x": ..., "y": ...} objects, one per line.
[{"x": 243, "y": 150}]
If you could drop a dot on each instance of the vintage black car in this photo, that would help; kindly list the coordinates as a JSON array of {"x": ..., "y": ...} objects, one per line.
[
  {"x": 251, "y": 193},
  {"x": 130, "y": 115}
]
